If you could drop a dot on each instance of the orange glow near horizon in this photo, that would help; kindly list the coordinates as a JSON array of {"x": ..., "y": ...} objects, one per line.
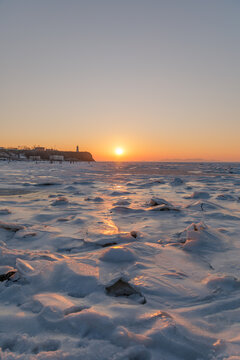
[
  {"x": 160, "y": 142},
  {"x": 141, "y": 148}
]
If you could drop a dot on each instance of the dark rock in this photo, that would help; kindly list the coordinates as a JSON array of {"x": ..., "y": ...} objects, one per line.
[
  {"x": 7, "y": 276},
  {"x": 134, "y": 234},
  {"x": 109, "y": 244},
  {"x": 47, "y": 184},
  {"x": 163, "y": 208},
  {"x": 123, "y": 288}
]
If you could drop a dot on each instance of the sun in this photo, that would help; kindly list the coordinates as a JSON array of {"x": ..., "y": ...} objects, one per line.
[{"x": 119, "y": 151}]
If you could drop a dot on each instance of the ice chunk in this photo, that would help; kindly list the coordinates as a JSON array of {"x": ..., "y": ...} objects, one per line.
[
  {"x": 62, "y": 200},
  {"x": 158, "y": 201},
  {"x": 200, "y": 195},
  {"x": 5, "y": 212},
  {"x": 118, "y": 254},
  {"x": 176, "y": 182},
  {"x": 226, "y": 197},
  {"x": 11, "y": 226}
]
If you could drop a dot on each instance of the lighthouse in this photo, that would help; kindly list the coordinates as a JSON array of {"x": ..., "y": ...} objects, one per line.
[{"x": 77, "y": 149}]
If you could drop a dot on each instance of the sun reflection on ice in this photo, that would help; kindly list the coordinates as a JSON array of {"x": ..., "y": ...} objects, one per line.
[
  {"x": 110, "y": 228},
  {"x": 138, "y": 280}
]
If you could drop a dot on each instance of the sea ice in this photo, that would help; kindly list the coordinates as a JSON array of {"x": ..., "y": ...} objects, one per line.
[{"x": 97, "y": 263}]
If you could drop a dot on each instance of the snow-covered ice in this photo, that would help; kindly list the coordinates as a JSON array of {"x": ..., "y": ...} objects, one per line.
[{"x": 119, "y": 261}]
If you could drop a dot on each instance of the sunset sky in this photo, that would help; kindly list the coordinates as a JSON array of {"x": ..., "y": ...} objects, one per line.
[{"x": 159, "y": 79}]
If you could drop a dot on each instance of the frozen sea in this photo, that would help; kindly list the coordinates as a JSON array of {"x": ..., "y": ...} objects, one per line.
[{"x": 119, "y": 261}]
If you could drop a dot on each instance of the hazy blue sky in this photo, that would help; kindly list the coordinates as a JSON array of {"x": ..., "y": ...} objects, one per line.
[{"x": 159, "y": 78}]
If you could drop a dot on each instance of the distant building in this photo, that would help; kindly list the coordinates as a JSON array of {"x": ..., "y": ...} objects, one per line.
[
  {"x": 39, "y": 148},
  {"x": 56, "y": 158},
  {"x": 14, "y": 156},
  {"x": 22, "y": 157},
  {"x": 34, "y": 157},
  {"x": 77, "y": 149},
  {"x": 4, "y": 156}
]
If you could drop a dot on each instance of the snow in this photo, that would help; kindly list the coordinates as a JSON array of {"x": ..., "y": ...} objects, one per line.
[{"x": 119, "y": 261}]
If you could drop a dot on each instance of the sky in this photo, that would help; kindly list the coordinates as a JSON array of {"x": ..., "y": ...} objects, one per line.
[{"x": 158, "y": 78}]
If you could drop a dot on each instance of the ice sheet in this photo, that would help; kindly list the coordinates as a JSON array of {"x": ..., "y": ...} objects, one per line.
[{"x": 164, "y": 237}]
